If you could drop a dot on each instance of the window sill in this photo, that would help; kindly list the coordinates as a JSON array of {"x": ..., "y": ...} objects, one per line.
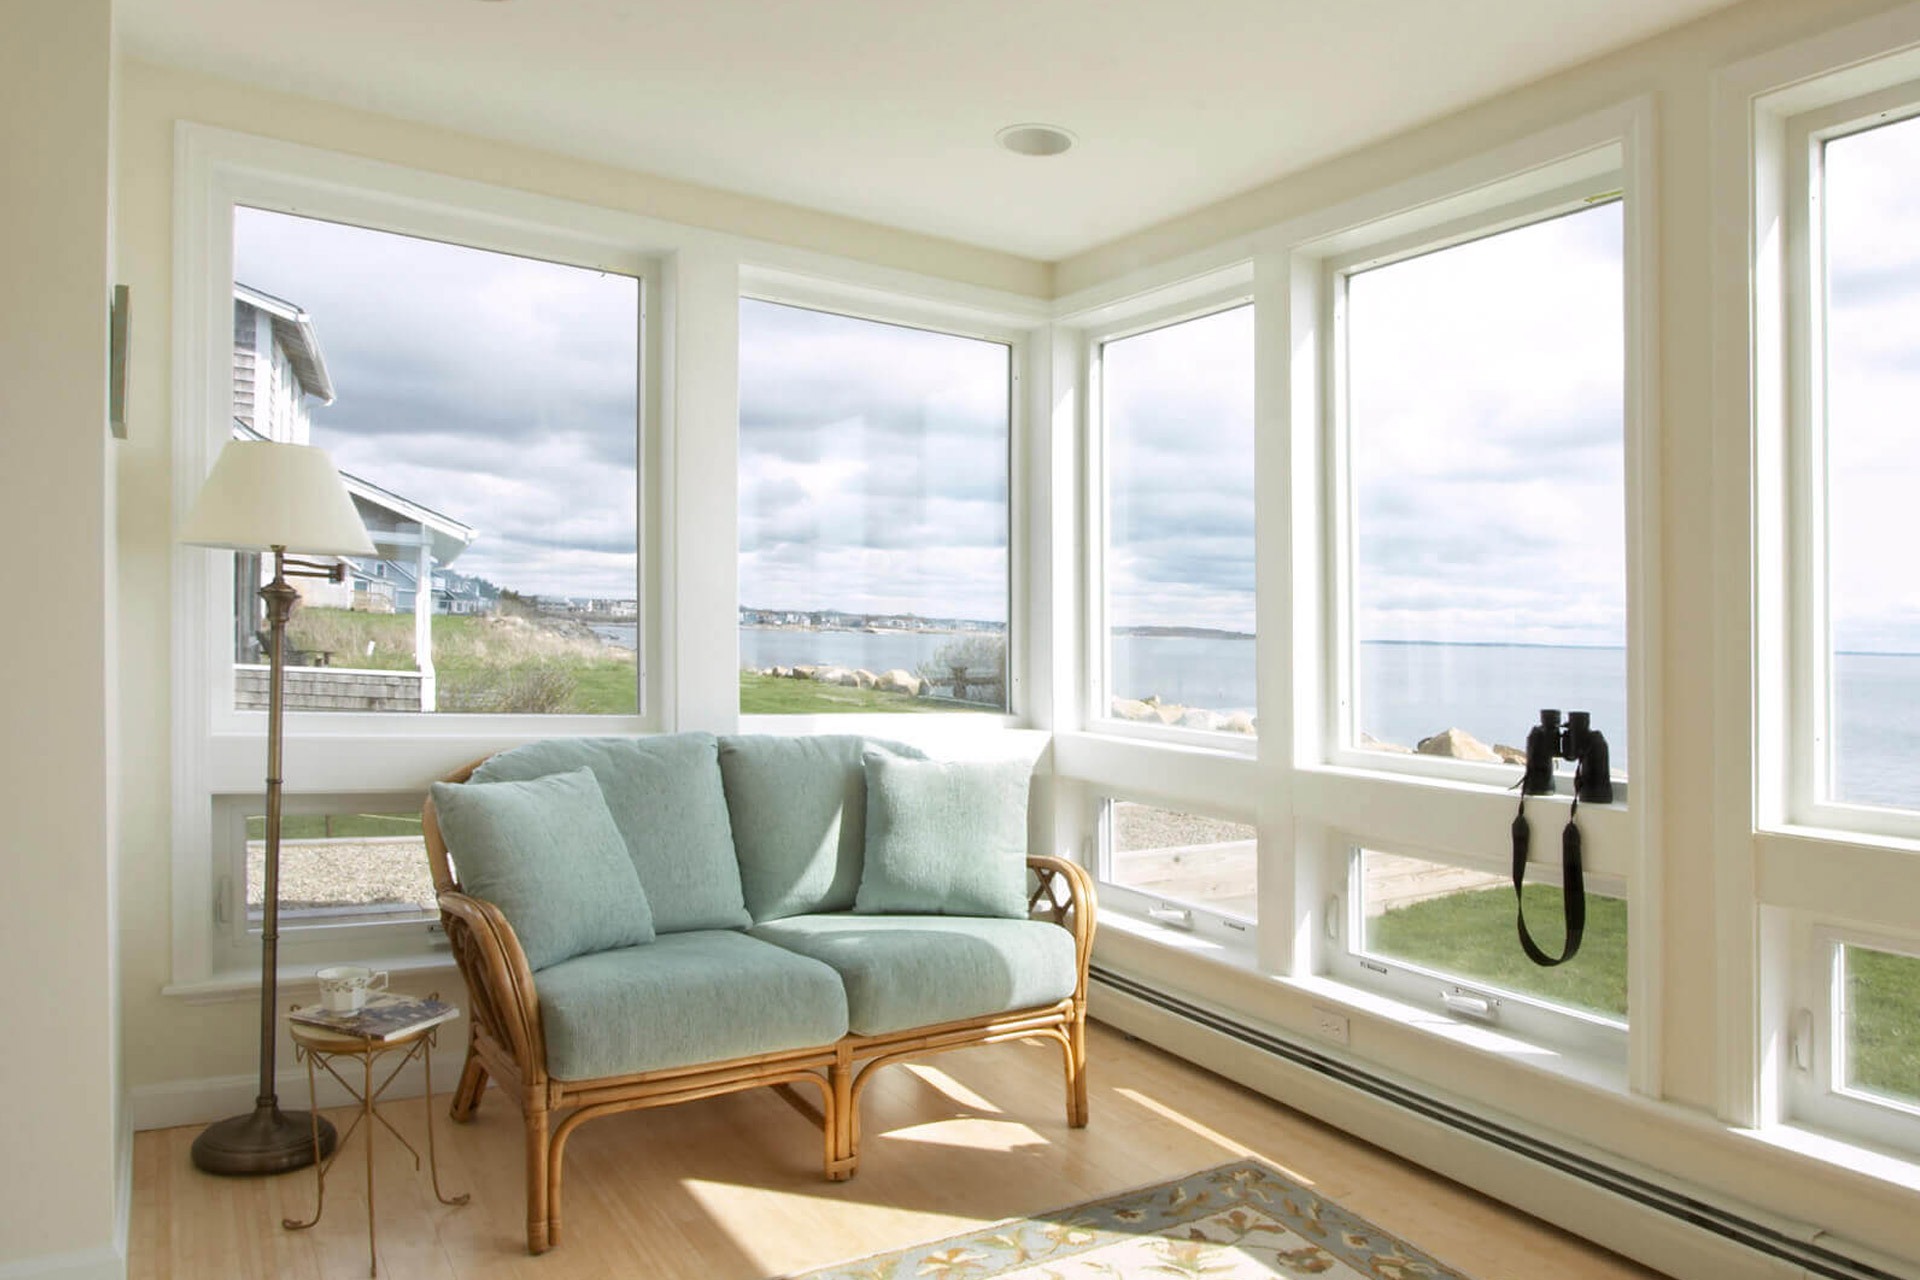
[
  {"x": 1870, "y": 1162},
  {"x": 228, "y": 985}
]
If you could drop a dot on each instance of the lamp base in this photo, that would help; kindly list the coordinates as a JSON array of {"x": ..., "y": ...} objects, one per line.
[{"x": 266, "y": 1140}]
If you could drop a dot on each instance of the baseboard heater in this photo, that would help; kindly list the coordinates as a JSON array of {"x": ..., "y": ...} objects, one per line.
[{"x": 1815, "y": 1259}]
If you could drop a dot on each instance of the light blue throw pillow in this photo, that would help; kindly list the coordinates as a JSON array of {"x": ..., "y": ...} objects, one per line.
[
  {"x": 945, "y": 838},
  {"x": 665, "y": 796},
  {"x": 547, "y": 853}
]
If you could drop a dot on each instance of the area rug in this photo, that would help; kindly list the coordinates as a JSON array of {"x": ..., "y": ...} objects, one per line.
[{"x": 1241, "y": 1221}]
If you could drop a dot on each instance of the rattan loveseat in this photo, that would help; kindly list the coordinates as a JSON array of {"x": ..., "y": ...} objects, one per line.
[{"x": 759, "y": 968}]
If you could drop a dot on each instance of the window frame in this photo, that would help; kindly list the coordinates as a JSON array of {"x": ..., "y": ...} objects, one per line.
[
  {"x": 1816, "y": 1093},
  {"x": 1442, "y": 808},
  {"x": 219, "y": 751},
  {"x": 1341, "y": 699},
  {"x": 1582, "y": 1033},
  {"x": 1235, "y": 934},
  {"x": 343, "y": 935},
  {"x": 954, "y": 319},
  {"x": 1809, "y": 655},
  {"x": 1228, "y": 290}
]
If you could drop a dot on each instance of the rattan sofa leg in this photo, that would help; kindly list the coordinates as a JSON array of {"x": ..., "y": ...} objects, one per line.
[
  {"x": 473, "y": 1083},
  {"x": 842, "y": 1119},
  {"x": 1077, "y": 1110},
  {"x": 538, "y": 1238}
]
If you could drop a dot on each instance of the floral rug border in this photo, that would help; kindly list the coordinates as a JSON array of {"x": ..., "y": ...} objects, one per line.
[{"x": 1331, "y": 1233}]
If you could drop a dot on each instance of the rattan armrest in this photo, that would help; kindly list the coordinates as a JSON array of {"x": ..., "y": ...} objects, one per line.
[
  {"x": 1077, "y": 914},
  {"x": 499, "y": 979}
]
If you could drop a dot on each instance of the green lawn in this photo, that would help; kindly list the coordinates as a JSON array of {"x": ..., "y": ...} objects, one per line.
[
  {"x": 1883, "y": 1050},
  {"x": 315, "y": 826},
  {"x": 1472, "y": 934},
  {"x": 483, "y": 664},
  {"x": 777, "y": 696}
]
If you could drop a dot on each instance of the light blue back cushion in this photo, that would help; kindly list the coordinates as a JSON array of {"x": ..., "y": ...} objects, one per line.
[
  {"x": 546, "y": 852},
  {"x": 665, "y": 796},
  {"x": 946, "y": 839},
  {"x": 799, "y": 810}
]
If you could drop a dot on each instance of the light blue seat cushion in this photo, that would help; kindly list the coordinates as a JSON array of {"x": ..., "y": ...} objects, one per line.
[
  {"x": 698, "y": 997},
  {"x": 547, "y": 853},
  {"x": 799, "y": 811},
  {"x": 665, "y": 796},
  {"x": 912, "y": 971},
  {"x": 945, "y": 838}
]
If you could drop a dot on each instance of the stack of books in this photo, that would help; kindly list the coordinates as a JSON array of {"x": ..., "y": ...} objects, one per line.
[{"x": 385, "y": 1017}]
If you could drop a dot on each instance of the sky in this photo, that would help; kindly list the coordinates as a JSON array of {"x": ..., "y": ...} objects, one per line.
[
  {"x": 497, "y": 390},
  {"x": 1487, "y": 455},
  {"x": 1485, "y": 417},
  {"x": 1873, "y": 387},
  {"x": 873, "y": 466}
]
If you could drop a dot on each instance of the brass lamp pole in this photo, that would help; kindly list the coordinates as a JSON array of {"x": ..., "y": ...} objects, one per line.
[{"x": 273, "y": 496}]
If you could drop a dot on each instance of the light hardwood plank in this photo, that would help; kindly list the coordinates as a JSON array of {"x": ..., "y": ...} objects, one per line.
[{"x": 730, "y": 1189}]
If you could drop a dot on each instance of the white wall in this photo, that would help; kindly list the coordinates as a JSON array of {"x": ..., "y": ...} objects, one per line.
[{"x": 59, "y": 1157}]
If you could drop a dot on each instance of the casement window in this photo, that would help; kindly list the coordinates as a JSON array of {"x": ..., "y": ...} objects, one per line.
[
  {"x": 345, "y": 862},
  {"x": 1173, "y": 518},
  {"x": 875, "y": 471},
  {"x": 1433, "y": 931},
  {"x": 1182, "y": 869}
]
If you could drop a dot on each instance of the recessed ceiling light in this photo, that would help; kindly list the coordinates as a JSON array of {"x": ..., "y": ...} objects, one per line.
[{"x": 1035, "y": 139}]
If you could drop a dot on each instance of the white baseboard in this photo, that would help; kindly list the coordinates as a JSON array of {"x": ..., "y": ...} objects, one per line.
[
  {"x": 1634, "y": 1230},
  {"x": 103, "y": 1263},
  {"x": 178, "y": 1102}
]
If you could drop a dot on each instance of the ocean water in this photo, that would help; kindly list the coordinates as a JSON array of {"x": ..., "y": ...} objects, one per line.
[{"x": 1411, "y": 691}]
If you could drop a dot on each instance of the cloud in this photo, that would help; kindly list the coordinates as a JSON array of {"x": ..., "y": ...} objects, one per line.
[{"x": 500, "y": 391}]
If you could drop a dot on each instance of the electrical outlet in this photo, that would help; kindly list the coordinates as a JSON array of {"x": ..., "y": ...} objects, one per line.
[{"x": 1329, "y": 1025}]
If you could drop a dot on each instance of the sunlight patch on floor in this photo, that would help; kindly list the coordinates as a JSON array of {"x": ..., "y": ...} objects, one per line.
[{"x": 1211, "y": 1135}]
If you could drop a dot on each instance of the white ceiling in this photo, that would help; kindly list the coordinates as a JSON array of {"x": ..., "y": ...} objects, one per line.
[{"x": 886, "y": 109}]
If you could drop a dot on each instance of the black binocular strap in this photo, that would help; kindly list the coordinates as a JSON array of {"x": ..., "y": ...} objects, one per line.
[{"x": 1573, "y": 886}]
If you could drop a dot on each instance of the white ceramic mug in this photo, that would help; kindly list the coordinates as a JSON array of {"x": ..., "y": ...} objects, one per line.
[{"x": 344, "y": 987}]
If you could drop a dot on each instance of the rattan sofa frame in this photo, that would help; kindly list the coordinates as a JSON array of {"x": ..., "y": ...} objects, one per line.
[{"x": 506, "y": 1043}]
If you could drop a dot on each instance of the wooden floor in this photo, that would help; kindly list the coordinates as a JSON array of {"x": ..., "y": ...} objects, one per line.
[{"x": 730, "y": 1189}]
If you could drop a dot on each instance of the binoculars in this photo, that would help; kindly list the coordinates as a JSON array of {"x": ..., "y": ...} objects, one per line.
[{"x": 1577, "y": 741}]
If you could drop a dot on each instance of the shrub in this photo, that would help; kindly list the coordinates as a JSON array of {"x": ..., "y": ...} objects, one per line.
[{"x": 983, "y": 658}]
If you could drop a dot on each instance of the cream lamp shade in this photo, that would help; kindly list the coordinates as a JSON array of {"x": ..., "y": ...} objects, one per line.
[{"x": 263, "y": 494}]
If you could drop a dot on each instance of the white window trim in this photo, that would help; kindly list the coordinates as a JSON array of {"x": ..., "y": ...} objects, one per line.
[
  {"x": 1018, "y": 331},
  {"x": 1768, "y": 851},
  {"x": 1226, "y": 291},
  {"x": 1337, "y": 792}
]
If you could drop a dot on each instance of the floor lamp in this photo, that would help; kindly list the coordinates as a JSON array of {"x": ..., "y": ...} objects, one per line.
[{"x": 264, "y": 496}]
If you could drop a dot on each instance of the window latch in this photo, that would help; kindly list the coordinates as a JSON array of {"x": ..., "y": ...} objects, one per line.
[
  {"x": 1800, "y": 1040},
  {"x": 1173, "y": 917},
  {"x": 221, "y": 886},
  {"x": 1467, "y": 1005}
]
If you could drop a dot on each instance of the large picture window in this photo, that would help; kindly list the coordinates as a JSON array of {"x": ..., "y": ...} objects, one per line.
[
  {"x": 874, "y": 516},
  {"x": 1484, "y": 430},
  {"x": 1177, "y": 405},
  {"x": 484, "y": 411}
]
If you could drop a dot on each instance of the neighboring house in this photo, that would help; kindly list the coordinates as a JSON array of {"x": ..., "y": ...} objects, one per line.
[{"x": 278, "y": 371}]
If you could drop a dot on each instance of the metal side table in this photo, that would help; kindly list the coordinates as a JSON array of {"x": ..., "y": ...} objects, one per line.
[{"x": 320, "y": 1048}]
